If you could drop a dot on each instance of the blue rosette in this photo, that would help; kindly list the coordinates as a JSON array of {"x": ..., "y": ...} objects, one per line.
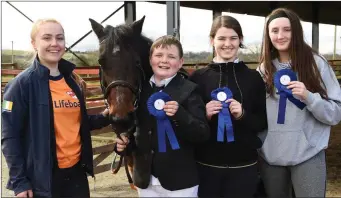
[
  {"x": 224, "y": 116},
  {"x": 155, "y": 107},
  {"x": 281, "y": 80}
]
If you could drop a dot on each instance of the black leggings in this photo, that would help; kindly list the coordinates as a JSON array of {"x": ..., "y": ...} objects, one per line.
[
  {"x": 70, "y": 182},
  {"x": 227, "y": 182}
]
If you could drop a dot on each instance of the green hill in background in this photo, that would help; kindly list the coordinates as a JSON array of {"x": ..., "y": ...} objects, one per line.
[{"x": 24, "y": 58}]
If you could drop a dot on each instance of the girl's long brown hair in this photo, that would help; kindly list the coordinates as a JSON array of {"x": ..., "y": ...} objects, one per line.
[{"x": 300, "y": 53}]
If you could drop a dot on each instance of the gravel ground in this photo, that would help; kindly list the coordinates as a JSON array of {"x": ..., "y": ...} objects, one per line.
[{"x": 106, "y": 185}]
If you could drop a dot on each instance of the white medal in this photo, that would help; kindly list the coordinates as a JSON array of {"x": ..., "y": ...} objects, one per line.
[
  {"x": 222, "y": 96},
  {"x": 159, "y": 104},
  {"x": 285, "y": 79}
]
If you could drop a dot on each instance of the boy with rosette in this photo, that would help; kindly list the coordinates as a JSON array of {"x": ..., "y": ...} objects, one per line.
[{"x": 172, "y": 120}]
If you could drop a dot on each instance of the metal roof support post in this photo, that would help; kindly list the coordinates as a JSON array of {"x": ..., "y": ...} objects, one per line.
[
  {"x": 315, "y": 26},
  {"x": 335, "y": 35},
  {"x": 173, "y": 18},
  {"x": 130, "y": 11},
  {"x": 217, "y": 11},
  {"x": 273, "y": 5}
]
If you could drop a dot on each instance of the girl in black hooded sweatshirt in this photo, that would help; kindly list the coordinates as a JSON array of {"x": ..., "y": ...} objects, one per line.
[{"x": 228, "y": 167}]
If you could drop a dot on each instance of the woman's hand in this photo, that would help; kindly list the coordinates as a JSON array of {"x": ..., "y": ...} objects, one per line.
[
  {"x": 171, "y": 107},
  {"x": 235, "y": 108},
  {"x": 105, "y": 113},
  {"x": 122, "y": 143},
  {"x": 298, "y": 89},
  {"x": 212, "y": 108},
  {"x": 27, "y": 193}
]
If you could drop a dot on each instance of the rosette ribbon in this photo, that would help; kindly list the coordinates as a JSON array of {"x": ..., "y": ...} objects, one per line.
[
  {"x": 155, "y": 107},
  {"x": 281, "y": 80},
  {"x": 224, "y": 117}
]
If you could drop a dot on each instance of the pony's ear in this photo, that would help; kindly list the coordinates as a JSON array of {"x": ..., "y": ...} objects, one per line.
[
  {"x": 137, "y": 26},
  {"x": 97, "y": 28}
]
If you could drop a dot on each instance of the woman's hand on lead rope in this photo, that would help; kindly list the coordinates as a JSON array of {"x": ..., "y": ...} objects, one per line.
[
  {"x": 105, "y": 113},
  {"x": 121, "y": 143}
]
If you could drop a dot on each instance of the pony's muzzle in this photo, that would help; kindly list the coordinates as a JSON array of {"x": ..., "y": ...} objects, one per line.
[{"x": 126, "y": 120}]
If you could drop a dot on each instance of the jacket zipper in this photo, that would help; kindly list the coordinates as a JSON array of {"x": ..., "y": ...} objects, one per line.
[
  {"x": 51, "y": 163},
  {"x": 235, "y": 78},
  {"x": 220, "y": 76}
]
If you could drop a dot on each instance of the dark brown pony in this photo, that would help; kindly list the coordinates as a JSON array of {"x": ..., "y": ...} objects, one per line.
[{"x": 124, "y": 65}]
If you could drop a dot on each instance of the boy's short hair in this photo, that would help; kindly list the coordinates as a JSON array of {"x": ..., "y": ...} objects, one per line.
[{"x": 165, "y": 41}]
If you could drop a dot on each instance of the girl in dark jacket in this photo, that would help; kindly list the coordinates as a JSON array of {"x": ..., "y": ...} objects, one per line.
[
  {"x": 45, "y": 127},
  {"x": 235, "y": 99}
]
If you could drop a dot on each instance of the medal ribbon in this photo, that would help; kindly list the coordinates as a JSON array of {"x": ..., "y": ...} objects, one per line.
[
  {"x": 285, "y": 93},
  {"x": 224, "y": 117},
  {"x": 164, "y": 126}
]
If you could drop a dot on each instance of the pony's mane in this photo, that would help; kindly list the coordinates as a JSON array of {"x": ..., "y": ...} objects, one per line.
[
  {"x": 118, "y": 35},
  {"x": 122, "y": 35},
  {"x": 146, "y": 44}
]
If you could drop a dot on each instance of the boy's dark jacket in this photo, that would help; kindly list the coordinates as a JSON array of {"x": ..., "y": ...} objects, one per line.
[
  {"x": 175, "y": 169},
  {"x": 28, "y": 138},
  {"x": 244, "y": 83}
]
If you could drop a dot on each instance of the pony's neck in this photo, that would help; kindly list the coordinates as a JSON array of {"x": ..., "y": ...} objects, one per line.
[{"x": 144, "y": 55}]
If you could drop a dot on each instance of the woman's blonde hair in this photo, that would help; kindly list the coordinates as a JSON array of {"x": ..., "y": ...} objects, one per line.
[
  {"x": 35, "y": 29},
  {"x": 39, "y": 22}
]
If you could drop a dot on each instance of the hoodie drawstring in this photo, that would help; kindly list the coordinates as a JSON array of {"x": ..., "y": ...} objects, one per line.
[
  {"x": 235, "y": 78},
  {"x": 240, "y": 91}
]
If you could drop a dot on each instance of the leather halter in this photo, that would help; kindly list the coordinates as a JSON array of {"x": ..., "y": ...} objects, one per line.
[{"x": 136, "y": 90}]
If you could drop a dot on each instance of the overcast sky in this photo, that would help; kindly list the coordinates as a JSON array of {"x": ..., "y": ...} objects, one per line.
[{"x": 194, "y": 29}]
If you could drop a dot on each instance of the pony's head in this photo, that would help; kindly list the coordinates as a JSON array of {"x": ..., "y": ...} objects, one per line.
[{"x": 124, "y": 65}]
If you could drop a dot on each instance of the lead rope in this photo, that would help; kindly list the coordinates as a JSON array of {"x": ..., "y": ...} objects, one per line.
[{"x": 94, "y": 183}]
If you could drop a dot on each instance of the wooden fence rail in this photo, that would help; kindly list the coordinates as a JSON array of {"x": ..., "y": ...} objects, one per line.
[
  {"x": 94, "y": 70},
  {"x": 90, "y": 75}
]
